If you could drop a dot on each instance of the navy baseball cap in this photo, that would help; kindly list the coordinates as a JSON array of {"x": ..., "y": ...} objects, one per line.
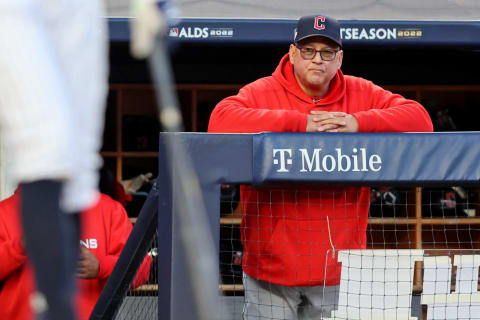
[{"x": 318, "y": 26}]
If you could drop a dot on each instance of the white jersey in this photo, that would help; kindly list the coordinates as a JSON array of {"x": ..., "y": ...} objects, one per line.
[{"x": 53, "y": 76}]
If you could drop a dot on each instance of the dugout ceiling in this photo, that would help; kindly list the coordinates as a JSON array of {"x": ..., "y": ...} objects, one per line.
[{"x": 425, "y": 10}]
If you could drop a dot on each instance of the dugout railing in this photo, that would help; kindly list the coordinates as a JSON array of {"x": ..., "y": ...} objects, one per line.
[{"x": 276, "y": 159}]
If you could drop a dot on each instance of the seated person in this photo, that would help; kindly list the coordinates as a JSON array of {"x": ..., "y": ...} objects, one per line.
[{"x": 105, "y": 230}]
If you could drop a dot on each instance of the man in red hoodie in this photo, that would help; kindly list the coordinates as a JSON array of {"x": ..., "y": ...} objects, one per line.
[
  {"x": 290, "y": 237},
  {"x": 105, "y": 230}
]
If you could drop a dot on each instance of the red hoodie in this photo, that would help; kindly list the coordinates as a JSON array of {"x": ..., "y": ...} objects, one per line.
[
  {"x": 105, "y": 230},
  {"x": 289, "y": 236}
]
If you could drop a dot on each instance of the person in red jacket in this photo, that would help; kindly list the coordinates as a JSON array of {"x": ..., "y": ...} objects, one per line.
[
  {"x": 104, "y": 233},
  {"x": 290, "y": 237}
]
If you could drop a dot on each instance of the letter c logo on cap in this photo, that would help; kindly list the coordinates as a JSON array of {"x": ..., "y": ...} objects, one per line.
[{"x": 318, "y": 25}]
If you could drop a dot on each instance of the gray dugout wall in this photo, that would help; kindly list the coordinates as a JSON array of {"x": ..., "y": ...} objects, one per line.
[{"x": 407, "y": 159}]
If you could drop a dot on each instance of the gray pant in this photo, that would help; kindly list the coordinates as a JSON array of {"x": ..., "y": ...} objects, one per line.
[{"x": 265, "y": 300}]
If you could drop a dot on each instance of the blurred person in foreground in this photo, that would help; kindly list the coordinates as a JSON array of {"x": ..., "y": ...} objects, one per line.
[
  {"x": 53, "y": 76},
  {"x": 290, "y": 237},
  {"x": 105, "y": 230}
]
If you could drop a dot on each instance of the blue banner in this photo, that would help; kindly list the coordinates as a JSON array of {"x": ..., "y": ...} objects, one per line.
[
  {"x": 353, "y": 32},
  {"x": 391, "y": 33},
  {"x": 366, "y": 158}
]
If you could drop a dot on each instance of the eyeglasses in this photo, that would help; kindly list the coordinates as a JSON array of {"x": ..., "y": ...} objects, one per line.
[{"x": 310, "y": 53}]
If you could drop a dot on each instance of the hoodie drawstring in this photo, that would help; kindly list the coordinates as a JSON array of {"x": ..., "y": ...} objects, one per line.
[{"x": 330, "y": 238}]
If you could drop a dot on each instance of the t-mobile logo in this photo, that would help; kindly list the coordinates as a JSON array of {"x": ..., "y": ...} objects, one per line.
[
  {"x": 316, "y": 160},
  {"x": 282, "y": 161}
]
